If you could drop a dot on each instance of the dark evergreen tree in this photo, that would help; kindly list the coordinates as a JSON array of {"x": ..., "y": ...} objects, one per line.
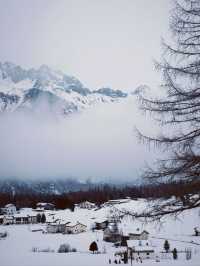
[
  {"x": 196, "y": 230},
  {"x": 166, "y": 246},
  {"x": 125, "y": 257},
  {"x": 72, "y": 206},
  {"x": 43, "y": 218},
  {"x": 93, "y": 247},
  {"x": 175, "y": 254},
  {"x": 38, "y": 218}
]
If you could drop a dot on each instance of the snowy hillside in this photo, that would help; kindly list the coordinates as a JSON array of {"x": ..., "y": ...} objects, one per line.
[
  {"x": 22, "y": 89},
  {"x": 179, "y": 232}
]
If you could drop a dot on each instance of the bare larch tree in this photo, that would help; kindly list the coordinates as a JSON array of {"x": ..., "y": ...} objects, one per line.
[{"x": 178, "y": 111}]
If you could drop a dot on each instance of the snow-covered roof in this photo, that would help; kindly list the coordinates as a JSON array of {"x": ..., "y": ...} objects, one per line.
[
  {"x": 19, "y": 215},
  {"x": 121, "y": 250},
  {"x": 117, "y": 201},
  {"x": 145, "y": 248},
  {"x": 25, "y": 215},
  {"x": 138, "y": 231},
  {"x": 44, "y": 204},
  {"x": 133, "y": 231},
  {"x": 86, "y": 203},
  {"x": 25, "y": 212},
  {"x": 9, "y": 205},
  {"x": 9, "y": 217},
  {"x": 100, "y": 220},
  {"x": 89, "y": 202},
  {"x": 72, "y": 224},
  {"x": 39, "y": 209},
  {"x": 57, "y": 222}
]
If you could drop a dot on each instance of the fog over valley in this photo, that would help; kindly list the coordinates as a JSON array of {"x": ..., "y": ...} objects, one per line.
[{"x": 97, "y": 143}]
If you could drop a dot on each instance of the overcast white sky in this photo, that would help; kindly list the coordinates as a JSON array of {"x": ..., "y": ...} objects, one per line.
[{"x": 102, "y": 42}]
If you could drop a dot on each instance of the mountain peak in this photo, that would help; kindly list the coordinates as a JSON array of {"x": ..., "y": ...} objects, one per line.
[{"x": 29, "y": 88}]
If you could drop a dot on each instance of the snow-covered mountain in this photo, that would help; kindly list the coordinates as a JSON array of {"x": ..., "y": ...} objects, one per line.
[{"x": 30, "y": 89}]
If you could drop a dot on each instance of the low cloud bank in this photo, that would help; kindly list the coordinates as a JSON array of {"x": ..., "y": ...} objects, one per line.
[{"x": 99, "y": 143}]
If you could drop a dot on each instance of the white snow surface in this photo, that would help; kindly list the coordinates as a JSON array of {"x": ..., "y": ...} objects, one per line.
[{"x": 16, "y": 249}]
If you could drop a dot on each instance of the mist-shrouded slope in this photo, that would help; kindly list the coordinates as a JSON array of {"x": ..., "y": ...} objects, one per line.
[{"x": 22, "y": 89}]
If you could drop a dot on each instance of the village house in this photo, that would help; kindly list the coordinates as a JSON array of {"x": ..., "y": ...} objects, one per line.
[
  {"x": 140, "y": 248},
  {"x": 24, "y": 216},
  {"x": 25, "y": 219},
  {"x": 86, "y": 205},
  {"x": 10, "y": 209},
  {"x": 8, "y": 219},
  {"x": 19, "y": 219},
  {"x": 114, "y": 202},
  {"x": 60, "y": 226},
  {"x": 111, "y": 233},
  {"x": 56, "y": 226},
  {"x": 45, "y": 206},
  {"x": 139, "y": 234},
  {"x": 75, "y": 228},
  {"x": 101, "y": 224},
  {"x": 32, "y": 219}
]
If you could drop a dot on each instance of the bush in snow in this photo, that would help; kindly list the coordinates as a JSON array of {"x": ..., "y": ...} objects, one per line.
[
  {"x": 65, "y": 248},
  {"x": 46, "y": 250},
  {"x": 3, "y": 234}
]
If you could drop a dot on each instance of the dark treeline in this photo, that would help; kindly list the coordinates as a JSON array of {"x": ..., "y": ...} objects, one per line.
[{"x": 100, "y": 195}]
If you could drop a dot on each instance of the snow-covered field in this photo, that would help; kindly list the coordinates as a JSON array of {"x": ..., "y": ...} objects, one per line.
[{"x": 16, "y": 249}]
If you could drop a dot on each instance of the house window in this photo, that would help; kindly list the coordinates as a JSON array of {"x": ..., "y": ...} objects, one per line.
[{"x": 147, "y": 253}]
